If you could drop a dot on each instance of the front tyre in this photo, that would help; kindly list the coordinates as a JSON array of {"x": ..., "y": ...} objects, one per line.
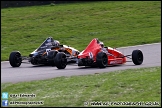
[
  {"x": 60, "y": 60},
  {"x": 137, "y": 57},
  {"x": 102, "y": 60},
  {"x": 15, "y": 59}
]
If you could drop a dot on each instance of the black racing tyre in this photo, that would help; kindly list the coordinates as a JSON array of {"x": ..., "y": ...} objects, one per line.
[
  {"x": 60, "y": 60},
  {"x": 51, "y": 55},
  {"x": 102, "y": 60},
  {"x": 137, "y": 57},
  {"x": 15, "y": 59},
  {"x": 80, "y": 63}
]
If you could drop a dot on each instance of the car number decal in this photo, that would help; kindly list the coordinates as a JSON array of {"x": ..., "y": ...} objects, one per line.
[{"x": 90, "y": 54}]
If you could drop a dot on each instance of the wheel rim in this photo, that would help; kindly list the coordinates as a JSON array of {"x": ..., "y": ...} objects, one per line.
[
  {"x": 140, "y": 57},
  {"x": 17, "y": 59},
  {"x": 104, "y": 60},
  {"x": 63, "y": 61}
]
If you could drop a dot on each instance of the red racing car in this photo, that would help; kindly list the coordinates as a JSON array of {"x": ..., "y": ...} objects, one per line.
[{"x": 96, "y": 55}]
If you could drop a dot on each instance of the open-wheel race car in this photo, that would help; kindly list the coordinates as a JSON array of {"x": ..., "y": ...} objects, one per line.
[
  {"x": 50, "y": 52},
  {"x": 97, "y": 55}
]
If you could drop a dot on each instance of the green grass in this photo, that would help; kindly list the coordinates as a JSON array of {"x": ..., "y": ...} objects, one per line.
[
  {"x": 116, "y": 23},
  {"x": 132, "y": 85}
]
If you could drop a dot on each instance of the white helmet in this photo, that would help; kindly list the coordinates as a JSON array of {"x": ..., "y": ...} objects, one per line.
[
  {"x": 57, "y": 43},
  {"x": 102, "y": 44}
]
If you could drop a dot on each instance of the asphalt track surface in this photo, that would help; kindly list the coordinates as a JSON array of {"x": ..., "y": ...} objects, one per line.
[{"x": 29, "y": 72}]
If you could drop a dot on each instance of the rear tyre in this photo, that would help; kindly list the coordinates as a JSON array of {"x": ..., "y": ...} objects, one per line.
[
  {"x": 102, "y": 60},
  {"x": 60, "y": 60},
  {"x": 50, "y": 57},
  {"x": 137, "y": 57},
  {"x": 15, "y": 59},
  {"x": 80, "y": 63}
]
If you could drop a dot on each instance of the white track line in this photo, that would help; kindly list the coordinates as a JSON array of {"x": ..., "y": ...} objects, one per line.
[{"x": 139, "y": 45}]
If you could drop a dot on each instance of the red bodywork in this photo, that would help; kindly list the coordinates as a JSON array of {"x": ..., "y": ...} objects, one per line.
[{"x": 91, "y": 51}]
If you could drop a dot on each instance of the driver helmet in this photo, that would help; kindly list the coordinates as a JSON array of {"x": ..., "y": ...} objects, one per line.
[
  {"x": 57, "y": 43},
  {"x": 102, "y": 44}
]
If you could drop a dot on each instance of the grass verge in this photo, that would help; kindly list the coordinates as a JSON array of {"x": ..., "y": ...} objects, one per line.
[{"x": 132, "y": 85}]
